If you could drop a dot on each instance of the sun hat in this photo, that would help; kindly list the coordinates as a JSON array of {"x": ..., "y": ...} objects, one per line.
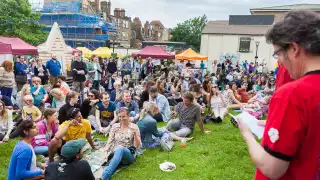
[{"x": 72, "y": 148}]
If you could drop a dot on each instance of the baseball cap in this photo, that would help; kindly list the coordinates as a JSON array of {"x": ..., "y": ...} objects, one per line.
[{"x": 72, "y": 148}]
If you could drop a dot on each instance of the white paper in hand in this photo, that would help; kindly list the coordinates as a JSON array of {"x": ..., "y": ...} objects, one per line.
[{"x": 252, "y": 123}]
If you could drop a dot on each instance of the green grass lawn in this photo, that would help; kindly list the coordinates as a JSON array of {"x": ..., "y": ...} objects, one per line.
[{"x": 220, "y": 155}]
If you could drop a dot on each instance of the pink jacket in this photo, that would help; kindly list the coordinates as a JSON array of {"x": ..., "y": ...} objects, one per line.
[{"x": 40, "y": 139}]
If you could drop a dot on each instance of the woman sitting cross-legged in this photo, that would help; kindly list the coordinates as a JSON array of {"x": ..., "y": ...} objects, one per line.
[
  {"x": 148, "y": 126},
  {"x": 124, "y": 139},
  {"x": 47, "y": 129},
  {"x": 23, "y": 159}
]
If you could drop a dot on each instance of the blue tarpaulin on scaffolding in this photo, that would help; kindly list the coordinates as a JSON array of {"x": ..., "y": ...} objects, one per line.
[
  {"x": 57, "y": 7},
  {"x": 80, "y": 20}
]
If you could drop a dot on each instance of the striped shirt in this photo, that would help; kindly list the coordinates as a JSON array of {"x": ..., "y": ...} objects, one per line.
[{"x": 188, "y": 115}]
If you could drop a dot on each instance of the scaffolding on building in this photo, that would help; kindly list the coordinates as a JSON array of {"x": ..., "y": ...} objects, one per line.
[{"x": 78, "y": 28}]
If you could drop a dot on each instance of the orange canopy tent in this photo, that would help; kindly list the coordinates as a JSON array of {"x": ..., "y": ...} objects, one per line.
[{"x": 190, "y": 54}]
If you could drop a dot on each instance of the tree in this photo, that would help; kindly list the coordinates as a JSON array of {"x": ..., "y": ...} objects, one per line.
[
  {"x": 18, "y": 20},
  {"x": 190, "y": 31}
]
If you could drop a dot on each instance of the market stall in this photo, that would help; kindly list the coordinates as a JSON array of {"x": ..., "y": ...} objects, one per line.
[
  {"x": 155, "y": 52},
  {"x": 85, "y": 52},
  {"x": 191, "y": 55},
  {"x": 5, "y": 52},
  {"x": 18, "y": 46},
  {"x": 104, "y": 52},
  {"x": 75, "y": 51}
]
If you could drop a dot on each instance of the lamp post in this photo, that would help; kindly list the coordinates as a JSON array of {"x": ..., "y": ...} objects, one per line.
[
  {"x": 113, "y": 37},
  {"x": 256, "y": 57}
]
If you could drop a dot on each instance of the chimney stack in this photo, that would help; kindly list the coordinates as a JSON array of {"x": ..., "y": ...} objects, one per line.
[
  {"x": 122, "y": 13},
  {"x": 108, "y": 8},
  {"x": 97, "y": 5},
  {"x": 117, "y": 12}
]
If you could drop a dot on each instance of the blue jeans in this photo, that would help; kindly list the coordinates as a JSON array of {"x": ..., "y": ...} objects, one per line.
[
  {"x": 121, "y": 155},
  {"x": 41, "y": 150},
  {"x": 6, "y": 92}
]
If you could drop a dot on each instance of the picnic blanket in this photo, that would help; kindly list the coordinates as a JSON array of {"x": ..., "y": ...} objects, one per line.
[{"x": 97, "y": 159}]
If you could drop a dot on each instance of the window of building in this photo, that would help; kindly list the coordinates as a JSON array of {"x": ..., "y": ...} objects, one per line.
[
  {"x": 125, "y": 24},
  {"x": 244, "y": 44}
]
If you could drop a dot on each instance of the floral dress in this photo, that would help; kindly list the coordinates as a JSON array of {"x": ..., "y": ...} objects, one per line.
[
  {"x": 227, "y": 98},
  {"x": 118, "y": 138}
]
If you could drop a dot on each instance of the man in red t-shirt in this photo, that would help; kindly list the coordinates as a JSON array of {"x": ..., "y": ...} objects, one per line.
[{"x": 290, "y": 147}]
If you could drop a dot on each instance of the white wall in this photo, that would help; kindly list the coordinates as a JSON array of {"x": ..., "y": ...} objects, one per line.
[
  {"x": 213, "y": 45},
  {"x": 4, "y": 57}
]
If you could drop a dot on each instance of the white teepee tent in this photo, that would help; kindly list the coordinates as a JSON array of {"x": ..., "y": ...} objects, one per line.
[{"x": 55, "y": 45}]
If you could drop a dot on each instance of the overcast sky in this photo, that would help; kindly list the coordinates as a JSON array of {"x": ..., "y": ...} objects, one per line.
[{"x": 171, "y": 12}]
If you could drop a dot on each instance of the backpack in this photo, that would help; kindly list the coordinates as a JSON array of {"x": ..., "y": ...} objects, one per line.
[{"x": 166, "y": 142}]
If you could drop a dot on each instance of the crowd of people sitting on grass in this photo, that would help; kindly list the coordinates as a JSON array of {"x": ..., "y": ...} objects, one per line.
[{"x": 124, "y": 102}]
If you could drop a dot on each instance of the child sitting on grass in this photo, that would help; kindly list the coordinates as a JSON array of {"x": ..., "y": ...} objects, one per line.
[
  {"x": 39, "y": 94},
  {"x": 30, "y": 111},
  {"x": 21, "y": 94}
]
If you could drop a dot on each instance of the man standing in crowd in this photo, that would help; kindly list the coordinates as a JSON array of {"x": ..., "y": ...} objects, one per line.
[
  {"x": 54, "y": 69},
  {"x": 215, "y": 66},
  {"x": 112, "y": 66},
  {"x": 21, "y": 70},
  {"x": 290, "y": 148},
  {"x": 136, "y": 70},
  {"x": 79, "y": 71},
  {"x": 146, "y": 68},
  {"x": 71, "y": 166},
  {"x": 162, "y": 105},
  {"x": 180, "y": 67},
  {"x": 126, "y": 68}
]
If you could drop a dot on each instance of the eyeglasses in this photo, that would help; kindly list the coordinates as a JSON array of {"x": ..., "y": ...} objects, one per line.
[{"x": 275, "y": 54}]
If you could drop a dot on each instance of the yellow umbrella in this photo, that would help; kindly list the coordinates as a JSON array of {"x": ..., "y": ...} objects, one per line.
[
  {"x": 85, "y": 51},
  {"x": 103, "y": 52}
]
